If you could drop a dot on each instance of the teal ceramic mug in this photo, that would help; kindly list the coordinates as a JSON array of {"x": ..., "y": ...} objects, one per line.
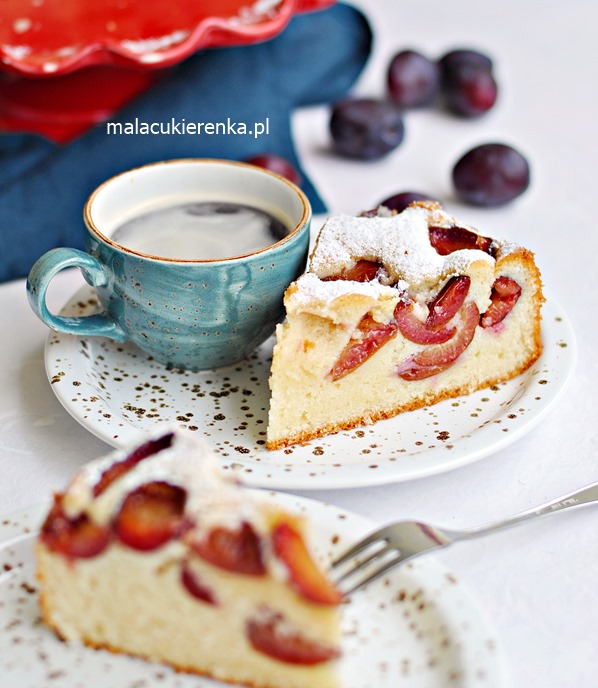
[{"x": 191, "y": 313}]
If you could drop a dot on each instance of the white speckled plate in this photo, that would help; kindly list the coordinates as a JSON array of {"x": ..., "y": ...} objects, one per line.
[
  {"x": 116, "y": 391},
  {"x": 418, "y": 628}
]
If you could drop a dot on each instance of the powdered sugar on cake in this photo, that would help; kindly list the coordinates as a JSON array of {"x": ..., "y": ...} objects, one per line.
[
  {"x": 311, "y": 290},
  {"x": 400, "y": 243},
  {"x": 187, "y": 463}
]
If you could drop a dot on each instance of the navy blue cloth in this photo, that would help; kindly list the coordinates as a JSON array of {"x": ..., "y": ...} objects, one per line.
[{"x": 43, "y": 186}]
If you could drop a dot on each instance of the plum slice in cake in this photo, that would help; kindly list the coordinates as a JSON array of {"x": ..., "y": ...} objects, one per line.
[
  {"x": 152, "y": 552},
  {"x": 396, "y": 312}
]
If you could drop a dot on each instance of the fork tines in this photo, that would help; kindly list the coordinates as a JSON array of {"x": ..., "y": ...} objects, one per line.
[{"x": 351, "y": 571}]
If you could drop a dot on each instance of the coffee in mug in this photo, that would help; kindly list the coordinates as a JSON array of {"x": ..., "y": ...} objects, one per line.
[{"x": 205, "y": 230}]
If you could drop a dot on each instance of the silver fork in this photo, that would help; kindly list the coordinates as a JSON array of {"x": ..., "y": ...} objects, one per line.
[{"x": 394, "y": 544}]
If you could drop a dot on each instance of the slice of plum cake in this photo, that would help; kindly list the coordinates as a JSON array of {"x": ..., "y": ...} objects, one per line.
[
  {"x": 152, "y": 552},
  {"x": 396, "y": 312}
]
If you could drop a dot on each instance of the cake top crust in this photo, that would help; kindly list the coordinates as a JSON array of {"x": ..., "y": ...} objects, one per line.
[
  {"x": 400, "y": 242},
  {"x": 313, "y": 289},
  {"x": 186, "y": 462}
]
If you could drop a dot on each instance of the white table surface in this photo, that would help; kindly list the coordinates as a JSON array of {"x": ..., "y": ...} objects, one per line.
[{"x": 539, "y": 583}]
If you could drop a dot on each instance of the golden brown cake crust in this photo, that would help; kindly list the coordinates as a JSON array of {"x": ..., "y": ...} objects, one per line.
[{"x": 428, "y": 400}]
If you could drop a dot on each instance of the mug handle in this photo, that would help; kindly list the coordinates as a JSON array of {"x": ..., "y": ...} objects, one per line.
[{"x": 42, "y": 273}]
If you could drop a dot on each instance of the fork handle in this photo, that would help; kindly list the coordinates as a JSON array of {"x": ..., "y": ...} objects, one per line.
[{"x": 585, "y": 495}]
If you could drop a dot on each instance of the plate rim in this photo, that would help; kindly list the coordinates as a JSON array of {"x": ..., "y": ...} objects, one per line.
[{"x": 342, "y": 479}]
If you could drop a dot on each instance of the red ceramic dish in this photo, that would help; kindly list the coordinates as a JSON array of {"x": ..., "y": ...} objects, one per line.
[
  {"x": 66, "y": 106},
  {"x": 102, "y": 53},
  {"x": 48, "y": 37}
]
